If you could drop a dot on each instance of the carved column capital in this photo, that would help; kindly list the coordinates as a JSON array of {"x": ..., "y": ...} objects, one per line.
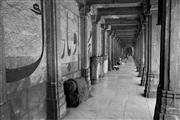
[
  {"x": 95, "y": 60},
  {"x": 84, "y": 11},
  {"x": 94, "y": 15},
  {"x": 143, "y": 26},
  {"x": 154, "y": 5},
  {"x": 104, "y": 26}
]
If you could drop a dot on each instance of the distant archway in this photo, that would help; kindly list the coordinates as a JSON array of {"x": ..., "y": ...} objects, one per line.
[{"x": 129, "y": 50}]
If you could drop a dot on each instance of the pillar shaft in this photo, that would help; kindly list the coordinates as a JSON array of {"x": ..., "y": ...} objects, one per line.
[
  {"x": 106, "y": 43},
  {"x": 146, "y": 67},
  {"x": 84, "y": 47},
  {"x": 148, "y": 57},
  {"x": 137, "y": 53},
  {"x": 142, "y": 50},
  {"x": 96, "y": 58},
  {"x": 105, "y": 54},
  {"x": 109, "y": 51},
  {"x": 94, "y": 38},
  {"x": 168, "y": 94},
  {"x": 144, "y": 55},
  {"x": 153, "y": 54},
  {"x": 103, "y": 41},
  {"x": 113, "y": 39},
  {"x": 102, "y": 58}
]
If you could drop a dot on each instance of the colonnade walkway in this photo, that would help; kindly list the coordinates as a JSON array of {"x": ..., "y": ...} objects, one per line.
[{"x": 118, "y": 96}]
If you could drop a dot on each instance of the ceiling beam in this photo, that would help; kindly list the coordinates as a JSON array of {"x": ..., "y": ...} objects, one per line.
[
  {"x": 119, "y": 11},
  {"x": 121, "y": 21},
  {"x": 130, "y": 16},
  {"x": 111, "y": 1},
  {"x": 132, "y": 27},
  {"x": 125, "y": 33},
  {"x": 123, "y": 36},
  {"x": 126, "y": 30}
]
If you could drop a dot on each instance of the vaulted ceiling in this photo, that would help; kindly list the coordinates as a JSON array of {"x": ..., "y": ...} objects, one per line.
[{"x": 124, "y": 16}]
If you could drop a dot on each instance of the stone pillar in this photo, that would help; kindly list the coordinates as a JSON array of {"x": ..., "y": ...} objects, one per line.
[
  {"x": 103, "y": 38},
  {"x": 84, "y": 46},
  {"x": 105, "y": 53},
  {"x": 168, "y": 93},
  {"x": 137, "y": 53},
  {"x": 112, "y": 52},
  {"x": 147, "y": 92},
  {"x": 95, "y": 59},
  {"x": 102, "y": 50},
  {"x": 109, "y": 50},
  {"x": 145, "y": 69},
  {"x": 153, "y": 71},
  {"x": 141, "y": 52},
  {"x": 143, "y": 55}
]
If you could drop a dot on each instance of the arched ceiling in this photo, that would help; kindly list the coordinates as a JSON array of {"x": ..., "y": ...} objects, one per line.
[{"x": 124, "y": 16}]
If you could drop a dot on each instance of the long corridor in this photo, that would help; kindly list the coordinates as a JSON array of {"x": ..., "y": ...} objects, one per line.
[{"x": 118, "y": 96}]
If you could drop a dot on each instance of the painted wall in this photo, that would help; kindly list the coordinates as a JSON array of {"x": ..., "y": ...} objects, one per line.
[
  {"x": 68, "y": 38},
  {"x": 23, "y": 46},
  {"x": 68, "y": 45}
]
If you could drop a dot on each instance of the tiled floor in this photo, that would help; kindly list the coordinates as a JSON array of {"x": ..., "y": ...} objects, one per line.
[{"x": 117, "y": 97}]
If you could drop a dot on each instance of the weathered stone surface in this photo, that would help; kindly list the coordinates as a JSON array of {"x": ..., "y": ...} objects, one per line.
[
  {"x": 168, "y": 97},
  {"x": 23, "y": 46},
  {"x": 68, "y": 46},
  {"x": 154, "y": 57},
  {"x": 151, "y": 85}
]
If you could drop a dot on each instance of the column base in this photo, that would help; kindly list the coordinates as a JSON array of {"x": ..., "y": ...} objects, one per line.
[
  {"x": 52, "y": 108},
  {"x": 137, "y": 64},
  {"x": 143, "y": 77},
  {"x": 86, "y": 75},
  {"x": 151, "y": 85},
  {"x": 94, "y": 81},
  {"x": 140, "y": 71},
  {"x": 105, "y": 64},
  {"x": 167, "y": 105},
  {"x": 95, "y": 70},
  {"x": 101, "y": 60},
  {"x": 110, "y": 68},
  {"x": 150, "y": 94}
]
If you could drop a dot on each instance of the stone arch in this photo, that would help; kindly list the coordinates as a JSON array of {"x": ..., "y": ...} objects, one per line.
[{"x": 129, "y": 49}]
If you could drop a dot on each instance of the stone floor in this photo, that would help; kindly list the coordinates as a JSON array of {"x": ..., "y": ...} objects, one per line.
[{"x": 118, "y": 96}]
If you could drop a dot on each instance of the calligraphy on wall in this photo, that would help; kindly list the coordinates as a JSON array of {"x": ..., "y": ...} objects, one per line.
[{"x": 69, "y": 30}]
